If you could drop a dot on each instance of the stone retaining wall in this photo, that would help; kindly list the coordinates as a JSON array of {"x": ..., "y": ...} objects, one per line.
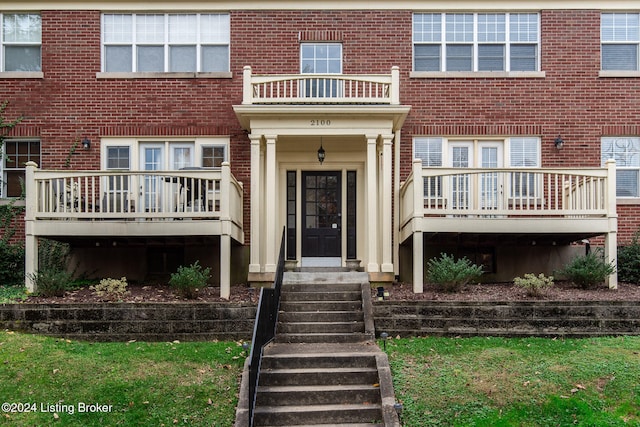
[
  {"x": 234, "y": 321},
  {"x": 123, "y": 322},
  {"x": 513, "y": 319}
]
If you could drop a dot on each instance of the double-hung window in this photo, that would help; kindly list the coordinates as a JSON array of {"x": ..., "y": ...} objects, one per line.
[
  {"x": 196, "y": 42},
  {"x": 626, "y": 152},
  {"x": 16, "y": 154},
  {"x": 429, "y": 150},
  {"x": 320, "y": 58},
  {"x": 476, "y": 42},
  {"x": 20, "y": 42},
  {"x": 525, "y": 153},
  {"x": 620, "y": 38}
]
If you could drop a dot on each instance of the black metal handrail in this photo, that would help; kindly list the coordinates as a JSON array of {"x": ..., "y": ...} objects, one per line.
[{"x": 264, "y": 329}]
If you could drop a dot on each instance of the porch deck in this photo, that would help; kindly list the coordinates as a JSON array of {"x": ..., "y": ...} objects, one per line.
[
  {"x": 75, "y": 205},
  {"x": 567, "y": 203}
]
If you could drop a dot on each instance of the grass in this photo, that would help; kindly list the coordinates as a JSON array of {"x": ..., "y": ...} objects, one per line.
[
  {"x": 517, "y": 382},
  {"x": 146, "y": 384}
]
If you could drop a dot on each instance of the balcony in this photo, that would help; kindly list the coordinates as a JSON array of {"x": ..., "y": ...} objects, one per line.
[
  {"x": 76, "y": 205},
  {"x": 560, "y": 205},
  {"x": 374, "y": 89}
]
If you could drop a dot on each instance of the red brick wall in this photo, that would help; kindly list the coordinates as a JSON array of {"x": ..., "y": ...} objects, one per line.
[{"x": 571, "y": 100}]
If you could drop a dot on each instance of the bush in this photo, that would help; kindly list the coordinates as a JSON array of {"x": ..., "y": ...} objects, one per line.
[
  {"x": 50, "y": 282},
  {"x": 111, "y": 289},
  {"x": 450, "y": 274},
  {"x": 11, "y": 264},
  {"x": 535, "y": 286},
  {"x": 587, "y": 271},
  {"x": 629, "y": 262},
  {"x": 187, "y": 280}
]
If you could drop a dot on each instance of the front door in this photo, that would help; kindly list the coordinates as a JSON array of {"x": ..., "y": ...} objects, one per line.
[{"x": 321, "y": 214}]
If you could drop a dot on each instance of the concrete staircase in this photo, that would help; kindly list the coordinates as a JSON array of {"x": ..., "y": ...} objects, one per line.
[{"x": 324, "y": 367}]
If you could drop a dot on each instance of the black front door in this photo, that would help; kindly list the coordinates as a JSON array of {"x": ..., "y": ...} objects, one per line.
[{"x": 321, "y": 214}]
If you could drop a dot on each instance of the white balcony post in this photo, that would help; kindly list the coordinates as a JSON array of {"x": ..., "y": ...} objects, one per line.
[
  {"x": 372, "y": 203},
  {"x": 395, "y": 85},
  {"x": 418, "y": 217},
  {"x": 247, "y": 87},
  {"x": 387, "y": 206},
  {"x": 611, "y": 240},
  {"x": 225, "y": 235},
  {"x": 31, "y": 240}
]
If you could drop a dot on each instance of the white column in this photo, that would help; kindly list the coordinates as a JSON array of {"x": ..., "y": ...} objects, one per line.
[
  {"x": 254, "y": 262},
  {"x": 396, "y": 205},
  {"x": 31, "y": 240},
  {"x": 386, "y": 204},
  {"x": 611, "y": 239},
  {"x": 372, "y": 204},
  {"x": 271, "y": 250},
  {"x": 418, "y": 218},
  {"x": 225, "y": 235}
]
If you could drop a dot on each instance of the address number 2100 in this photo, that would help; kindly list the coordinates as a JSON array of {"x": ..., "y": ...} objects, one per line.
[{"x": 320, "y": 122}]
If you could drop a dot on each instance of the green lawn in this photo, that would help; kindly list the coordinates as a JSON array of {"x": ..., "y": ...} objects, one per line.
[
  {"x": 145, "y": 384},
  {"x": 440, "y": 381},
  {"x": 517, "y": 382}
]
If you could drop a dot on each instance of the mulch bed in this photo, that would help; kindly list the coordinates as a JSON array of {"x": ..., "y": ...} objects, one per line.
[{"x": 397, "y": 292}]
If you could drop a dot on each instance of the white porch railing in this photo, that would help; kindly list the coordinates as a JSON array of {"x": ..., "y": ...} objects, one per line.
[
  {"x": 129, "y": 195},
  {"x": 321, "y": 88},
  {"x": 435, "y": 199}
]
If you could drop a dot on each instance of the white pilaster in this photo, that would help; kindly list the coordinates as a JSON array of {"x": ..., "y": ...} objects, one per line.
[
  {"x": 611, "y": 239},
  {"x": 254, "y": 262},
  {"x": 31, "y": 240},
  {"x": 372, "y": 204},
  {"x": 271, "y": 246},
  {"x": 386, "y": 204}
]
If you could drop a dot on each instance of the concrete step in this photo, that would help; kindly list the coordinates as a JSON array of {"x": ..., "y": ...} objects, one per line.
[
  {"x": 290, "y": 306},
  {"x": 305, "y": 415},
  {"x": 318, "y": 376},
  {"x": 318, "y": 360},
  {"x": 318, "y": 395},
  {"x": 325, "y": 277},
  {"x": 320, "y": 327},
  {"x": 321, "y": 316},
  {"x": 321, "y": 295},
  {"x": 320, "y": 287},
  {"x": 355, "y": 337}
]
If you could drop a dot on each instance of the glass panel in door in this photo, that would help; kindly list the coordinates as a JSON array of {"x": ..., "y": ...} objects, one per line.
[
  {"x": 460, "y": 156},
  {"x": 151, "y": 159},
  {"x": 490, "y": 186}
]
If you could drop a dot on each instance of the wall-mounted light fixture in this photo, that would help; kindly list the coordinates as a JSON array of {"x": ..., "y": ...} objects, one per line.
[
  {"x": 321, "y": 153},
  {"x": 86, "y": 143},
  {"x": 558, "y": 142}
]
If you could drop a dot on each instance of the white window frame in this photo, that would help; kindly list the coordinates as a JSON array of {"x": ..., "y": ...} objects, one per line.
[
  {"x": 224, "y": 36},
  {"x": 225, "y": 156},
  {"x": 439, "y": 38},
  {"x": 628, "y": 146},
  {"x": 8, "y": 43},
  {"x": 628, "y": 35}
]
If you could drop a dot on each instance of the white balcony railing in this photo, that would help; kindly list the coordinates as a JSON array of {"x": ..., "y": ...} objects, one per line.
[
  {"x": 321, "y": 88},
  {"x": 131, "y": 195},
  {"x": 499, "y": 193}
]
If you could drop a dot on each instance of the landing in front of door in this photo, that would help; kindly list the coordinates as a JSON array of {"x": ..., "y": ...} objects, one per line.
[{"x": 321, "y": 262}]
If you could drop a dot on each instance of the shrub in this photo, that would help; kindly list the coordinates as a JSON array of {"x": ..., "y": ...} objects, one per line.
[
  {"x": 450, "y": 274},
  {"x": 535, "y": 286},
  {"x": 587, "y": 271},
  {"x": 11, "y": 264},
  {"x": 50, "y": 282},
  {"x": 629, "y": 262},
  {"x": 187, "y": 280},
  {"x": 111, "y": 289}
]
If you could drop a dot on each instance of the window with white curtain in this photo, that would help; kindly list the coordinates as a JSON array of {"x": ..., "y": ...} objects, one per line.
[
  {"x": 195, "y": 42},
  {"x": 476, "y": 41},
  {"x": 620, "y": 38},
  {"x": 625, "y": 151}
]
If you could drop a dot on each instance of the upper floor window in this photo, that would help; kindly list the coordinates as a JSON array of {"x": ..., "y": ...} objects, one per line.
[
  {"x": 620, "y": 38},
  {"x": 165, "y": 42},
  {"x": 321, "y": 58},
  {"x": 626, "y": 152},
  {"x": 16, "y": 154},
  {"x": 20, "y": 42},
  {"x": 476, "y": 41}
]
